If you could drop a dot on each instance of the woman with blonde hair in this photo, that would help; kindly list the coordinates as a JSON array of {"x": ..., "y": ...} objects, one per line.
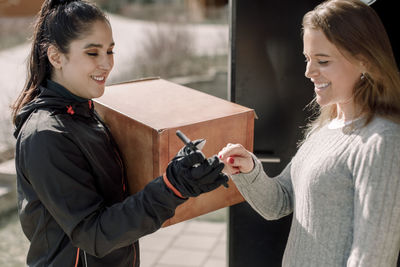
[{"x": 343, "y": 184}]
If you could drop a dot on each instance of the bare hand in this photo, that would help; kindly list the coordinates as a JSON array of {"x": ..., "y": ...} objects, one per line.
[{"x": 236, "y": 159}]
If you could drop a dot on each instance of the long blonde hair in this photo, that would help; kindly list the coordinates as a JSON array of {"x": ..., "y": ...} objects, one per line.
[{"x": 356, "y": 30}]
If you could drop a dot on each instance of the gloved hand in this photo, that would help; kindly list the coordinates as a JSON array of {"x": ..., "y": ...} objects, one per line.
[{"x": 192, "y": 174}]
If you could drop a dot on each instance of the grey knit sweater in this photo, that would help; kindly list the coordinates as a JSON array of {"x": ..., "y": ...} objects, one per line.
[{"x": 343, "y": 187}]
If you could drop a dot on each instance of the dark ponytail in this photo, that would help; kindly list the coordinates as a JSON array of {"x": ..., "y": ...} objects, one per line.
[
  {"x": 54, "y": 3},
  {"x": 58, "y": 23}
]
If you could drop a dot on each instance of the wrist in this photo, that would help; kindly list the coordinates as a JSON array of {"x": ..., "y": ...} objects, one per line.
[
  {"x": 250, "y": 166},
  {"x": 171, "y": 187}
]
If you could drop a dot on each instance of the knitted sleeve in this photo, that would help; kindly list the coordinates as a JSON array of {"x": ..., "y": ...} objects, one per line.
[
  {"x": 270, "y": 197},
  {"x": 376, "y": 237}
]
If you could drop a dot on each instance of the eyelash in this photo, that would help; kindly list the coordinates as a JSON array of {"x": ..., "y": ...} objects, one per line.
[
  {"x": 96, "y": 54},
  {"x": 321, "y": 62}
]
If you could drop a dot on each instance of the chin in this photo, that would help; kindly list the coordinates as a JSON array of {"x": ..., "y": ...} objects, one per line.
[
  {"x": 98, "y": 92},
  {"x": 320, "y": 101}
]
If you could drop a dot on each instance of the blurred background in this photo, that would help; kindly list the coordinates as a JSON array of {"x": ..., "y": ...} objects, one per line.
[{"x": 184, "y": 41}]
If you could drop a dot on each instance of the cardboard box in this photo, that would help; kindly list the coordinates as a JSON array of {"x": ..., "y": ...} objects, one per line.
[{"x": 143, "y": 117}]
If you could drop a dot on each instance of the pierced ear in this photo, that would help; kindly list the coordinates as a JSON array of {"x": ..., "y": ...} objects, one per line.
[
  {"x": 54, "y": 56},
  {"x": 363, "y": 64}
]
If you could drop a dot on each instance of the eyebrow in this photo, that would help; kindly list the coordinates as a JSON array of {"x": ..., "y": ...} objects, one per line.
[
  {"x": 96, "y": 45},
  {"x": 322, "y": 55},
  {"x": 319, "y": 55}
]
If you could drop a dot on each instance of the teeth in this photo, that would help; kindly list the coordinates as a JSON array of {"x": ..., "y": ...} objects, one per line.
[
  {"x": 98, "y": 78},
  {"x": 321, "y": 85}
]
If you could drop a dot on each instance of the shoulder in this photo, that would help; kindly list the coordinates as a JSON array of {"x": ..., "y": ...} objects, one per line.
[
  {"x": 381, "y": 129},
  {"x": 46, "y": 120},
  {"x": 380, "y": 137},
  {"x": 382, "y": 125},
  {"x": 43, "y": 141},
  {"x": 45, "y": 127}
]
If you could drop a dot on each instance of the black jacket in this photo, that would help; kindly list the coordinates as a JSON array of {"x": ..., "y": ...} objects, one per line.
[{"x": 71, "y": 188}]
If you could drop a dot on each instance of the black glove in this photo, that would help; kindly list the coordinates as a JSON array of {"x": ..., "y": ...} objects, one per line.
[{"x": 192, "y": 174}]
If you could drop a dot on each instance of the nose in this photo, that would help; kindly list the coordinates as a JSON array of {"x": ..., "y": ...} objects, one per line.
[
  {"x": 311, "y": 70},
  {"x": 106, "y": 63}
]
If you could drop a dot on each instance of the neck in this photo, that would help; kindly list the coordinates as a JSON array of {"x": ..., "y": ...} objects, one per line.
[{"x": 347, "y": 112}]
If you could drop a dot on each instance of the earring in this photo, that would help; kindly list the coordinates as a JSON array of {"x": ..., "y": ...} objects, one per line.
[{"x": 362, "y": 76}]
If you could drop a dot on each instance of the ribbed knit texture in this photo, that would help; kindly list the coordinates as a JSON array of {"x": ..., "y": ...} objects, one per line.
[{"x": 343, "y": 187}]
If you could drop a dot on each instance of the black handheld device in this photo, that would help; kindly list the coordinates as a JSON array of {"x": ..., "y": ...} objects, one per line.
[
  {"x": 189, "y": 144},
  {"x": 191, "y": 147}
]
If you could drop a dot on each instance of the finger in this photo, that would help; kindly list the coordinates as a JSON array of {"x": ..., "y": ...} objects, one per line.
[
  {"x": 230, "y": 170},
  {"x": 207, "y": 172},
  {"x": 239, "y": 163},
  {"x": 214, "y": 161},
  {"x": 236, "y": 149},
  {"x": 192, "y": 159},
  {"x": 236, "y": 160},
  {"x": 212, "y": 175},
  {"x": 201, "y": 170},
  {"x": 221, "y": 179}
]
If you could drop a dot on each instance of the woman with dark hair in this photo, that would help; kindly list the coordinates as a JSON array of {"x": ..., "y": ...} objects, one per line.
[
  {"x": 73, "y": 202},
  {"x": 343, "y": 184}
]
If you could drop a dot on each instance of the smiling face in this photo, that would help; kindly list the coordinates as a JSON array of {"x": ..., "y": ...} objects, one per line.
[
  {"x": 333, "y": 75},
  {"x": 86, "y": 66}
]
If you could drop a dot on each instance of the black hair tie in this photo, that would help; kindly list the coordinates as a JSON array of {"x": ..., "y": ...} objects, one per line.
[{"x": 56, "y": 3}]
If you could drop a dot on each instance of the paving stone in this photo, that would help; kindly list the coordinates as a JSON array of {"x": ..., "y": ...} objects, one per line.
[
  {"x": 184, "y": 257},
  {"x": 195, "y": 242},
  {"x": 155, "y": 242},
  {"x": 214, "y": 263},
  {"x": 205, "y": 227},
  {"x": 172, "y": 229},
  {"x": 220, "y": 251},
  {"x": 148, "y": 258}
]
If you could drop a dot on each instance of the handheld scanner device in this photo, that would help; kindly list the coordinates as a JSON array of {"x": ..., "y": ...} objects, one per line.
[
  {"x": 189, "y": 144},
  {"x": 190, "y": 147}
]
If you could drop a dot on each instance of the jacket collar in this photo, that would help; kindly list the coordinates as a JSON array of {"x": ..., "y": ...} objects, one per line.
[
  {"x": 64, "y": 92},
  {"x": 64, "y": 100},
  {"x": 58, "y": 101}
]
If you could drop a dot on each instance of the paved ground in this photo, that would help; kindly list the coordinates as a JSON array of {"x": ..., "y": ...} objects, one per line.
[{"x": 187, "y": 244}]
